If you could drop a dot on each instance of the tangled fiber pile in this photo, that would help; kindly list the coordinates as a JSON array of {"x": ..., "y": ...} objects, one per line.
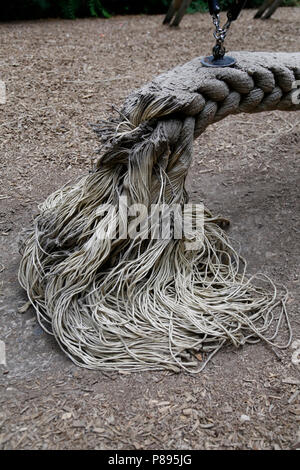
[{"x": 138, "y": 303}]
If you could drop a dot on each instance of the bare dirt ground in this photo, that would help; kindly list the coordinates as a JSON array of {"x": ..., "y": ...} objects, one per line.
[{"x": 61, "y": 76}]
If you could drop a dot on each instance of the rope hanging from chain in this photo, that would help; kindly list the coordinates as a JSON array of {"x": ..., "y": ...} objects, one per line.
[{"x": 218, "y": 59}]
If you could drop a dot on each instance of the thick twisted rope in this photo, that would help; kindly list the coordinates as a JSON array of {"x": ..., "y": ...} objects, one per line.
[{"x": 140, "y": 303}]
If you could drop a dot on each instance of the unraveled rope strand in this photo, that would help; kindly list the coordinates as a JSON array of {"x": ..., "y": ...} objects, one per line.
[{"x": 145, "y": 304}]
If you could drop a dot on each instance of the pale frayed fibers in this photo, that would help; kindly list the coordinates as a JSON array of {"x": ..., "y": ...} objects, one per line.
[{"x": 136, "y": 304}]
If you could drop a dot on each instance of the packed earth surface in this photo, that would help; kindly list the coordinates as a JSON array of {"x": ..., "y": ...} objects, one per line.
[{"x": 63, "y": 75}]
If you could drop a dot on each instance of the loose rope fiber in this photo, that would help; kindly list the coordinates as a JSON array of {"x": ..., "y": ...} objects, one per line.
[{"x": 144, "y": 303}]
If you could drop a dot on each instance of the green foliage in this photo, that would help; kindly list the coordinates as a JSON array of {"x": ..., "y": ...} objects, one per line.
[
  {"x": 68, "y": 8},
  {"x": 96, "y": 9},
  {"x": 72, "y": 8},
  {"x": 197, "y": 5},
  {"x": 291, "y": 3},
  {"x": 23, "y": 9}
]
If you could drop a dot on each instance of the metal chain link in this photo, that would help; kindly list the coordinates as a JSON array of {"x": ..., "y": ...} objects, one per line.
[{"x": 220, "y": 35}]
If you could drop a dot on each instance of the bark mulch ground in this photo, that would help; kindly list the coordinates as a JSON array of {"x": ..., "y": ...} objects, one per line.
[{"x": 62, "y": 75}]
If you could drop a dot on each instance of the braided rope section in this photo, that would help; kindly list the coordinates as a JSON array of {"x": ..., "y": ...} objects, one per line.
[{"x": 144, "y": 303}]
